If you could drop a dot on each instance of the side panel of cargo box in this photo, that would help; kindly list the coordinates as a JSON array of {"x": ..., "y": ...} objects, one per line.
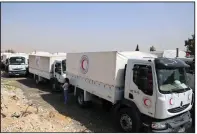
[
  {"x": 98, "y": 66},
  {"x": 93, "y": 72},
  {"x": 40, "y": 65}
]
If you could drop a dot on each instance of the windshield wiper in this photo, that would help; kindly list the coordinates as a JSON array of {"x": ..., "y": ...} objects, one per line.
[{"x": 178, "y": 91}]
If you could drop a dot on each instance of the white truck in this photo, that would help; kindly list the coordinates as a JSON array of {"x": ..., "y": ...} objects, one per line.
[
  {"x": 48, "y": 67},
  {"x": 17, "y": 64},
  {"x": 143, "y": 90}
]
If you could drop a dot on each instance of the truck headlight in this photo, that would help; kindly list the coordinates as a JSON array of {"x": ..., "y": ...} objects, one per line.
[
  {"x": 189, "y": 96},
  {"x": 158, "y": 125}
]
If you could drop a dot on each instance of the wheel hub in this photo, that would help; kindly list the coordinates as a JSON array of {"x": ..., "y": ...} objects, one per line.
[
  {"x": 126, "y": 122},
  {"x": 53, "y": 85},
  {"x": 37, "y": 81},
  {"x": 80, "y": 99}
]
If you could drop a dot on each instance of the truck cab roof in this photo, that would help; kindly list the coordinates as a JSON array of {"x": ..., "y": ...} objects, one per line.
[{"x": 169, "y": 63}]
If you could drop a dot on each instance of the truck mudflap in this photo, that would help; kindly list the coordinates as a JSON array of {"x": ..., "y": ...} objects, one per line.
[{"x": 177, "y": 124}]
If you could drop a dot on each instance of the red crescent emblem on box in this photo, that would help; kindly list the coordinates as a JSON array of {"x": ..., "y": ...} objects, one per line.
[{"x": 84, "y": 64}]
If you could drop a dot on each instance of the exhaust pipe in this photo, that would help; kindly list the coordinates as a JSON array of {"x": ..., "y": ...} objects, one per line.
[{"x": 177, "y": 52}]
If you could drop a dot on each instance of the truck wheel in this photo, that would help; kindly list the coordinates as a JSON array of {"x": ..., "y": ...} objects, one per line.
[
  {"x": 80, "y": 99},
  {"x": 53, "y": 86},
  {"x": 36, "y": 79},
  {"x": 128, "y": 120}
]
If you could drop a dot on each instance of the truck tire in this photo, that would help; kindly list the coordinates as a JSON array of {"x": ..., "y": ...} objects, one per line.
[
  {"x": 53, "y": 85},
  {"x": 37, "y": 80},
  {"x": 80, "y": 99},
  {"x": 128, "y": 120}
]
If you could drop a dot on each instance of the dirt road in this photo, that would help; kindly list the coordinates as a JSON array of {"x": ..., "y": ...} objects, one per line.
[{"x": 94, "y": 119}]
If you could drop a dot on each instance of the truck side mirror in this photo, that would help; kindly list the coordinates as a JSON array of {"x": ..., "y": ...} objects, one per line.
[{"x": 192, "y": 71}]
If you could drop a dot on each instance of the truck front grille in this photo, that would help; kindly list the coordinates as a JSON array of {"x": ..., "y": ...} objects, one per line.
[
  {"x": 17, "y": 68},
  {"x": 178, "y": 109}
]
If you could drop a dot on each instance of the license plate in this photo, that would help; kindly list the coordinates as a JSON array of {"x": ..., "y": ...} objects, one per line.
[
  {"x": 16, "y": 74},
  {"x": 181, "y": 130}
]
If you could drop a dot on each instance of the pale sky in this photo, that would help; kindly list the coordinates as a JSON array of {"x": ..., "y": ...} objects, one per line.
[{"x": 69, "y": 27}]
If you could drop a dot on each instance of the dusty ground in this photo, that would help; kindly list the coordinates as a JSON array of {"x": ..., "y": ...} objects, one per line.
[
  {"x": 26, "y": 107},
  {"x": 20, "y": 115}
]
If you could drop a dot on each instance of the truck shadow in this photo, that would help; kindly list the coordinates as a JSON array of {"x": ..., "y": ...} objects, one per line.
[
  {"x": 94, "y": 119},
  {"x": 30, "y": 83}
]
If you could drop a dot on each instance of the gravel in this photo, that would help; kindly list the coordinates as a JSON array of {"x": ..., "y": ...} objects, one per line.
[{"x": 20, "y": 115}]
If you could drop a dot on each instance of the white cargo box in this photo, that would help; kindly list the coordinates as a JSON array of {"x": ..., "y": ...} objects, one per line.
[
  {"x": 104, "y": 69},
  {"x": 41, "y": 64}
]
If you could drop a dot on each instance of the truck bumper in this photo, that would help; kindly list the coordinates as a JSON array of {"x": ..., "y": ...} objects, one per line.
[
  {"x": 177, "y": 124},
  {"x": 22, "y": 72}
]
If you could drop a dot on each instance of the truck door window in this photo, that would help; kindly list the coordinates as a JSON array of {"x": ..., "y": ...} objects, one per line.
[
  {"x": 149, "y": 89},
  {"x": 58, "y": 68},
  {"x": 64, "y": 66}
]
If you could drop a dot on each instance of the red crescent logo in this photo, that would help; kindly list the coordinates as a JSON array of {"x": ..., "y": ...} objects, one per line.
[
  {"x": 145, "y": 102},
  {"x": 82, "y": 64}
]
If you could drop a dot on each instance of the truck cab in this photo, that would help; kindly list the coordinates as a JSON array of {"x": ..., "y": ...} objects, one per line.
[
  {"x": 17, "y": 65},
  {"x": 156, "y": 96}
]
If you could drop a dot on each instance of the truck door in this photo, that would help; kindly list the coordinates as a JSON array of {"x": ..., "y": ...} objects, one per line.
[
  {"x": 143, "y": 97},
  {"x": 58, "y": 71}
]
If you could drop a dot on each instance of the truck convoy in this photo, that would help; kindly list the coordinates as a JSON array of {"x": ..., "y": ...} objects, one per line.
[
  {"x": 48, "y": 67},
  {"x": 143, "y": 90}
]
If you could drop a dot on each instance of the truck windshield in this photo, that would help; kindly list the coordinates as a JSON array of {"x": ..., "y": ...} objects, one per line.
[
  {"x": 17, "y": 60},
  {"x": 172, "y": 80},
  {"x": 64, "y": 66}
]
